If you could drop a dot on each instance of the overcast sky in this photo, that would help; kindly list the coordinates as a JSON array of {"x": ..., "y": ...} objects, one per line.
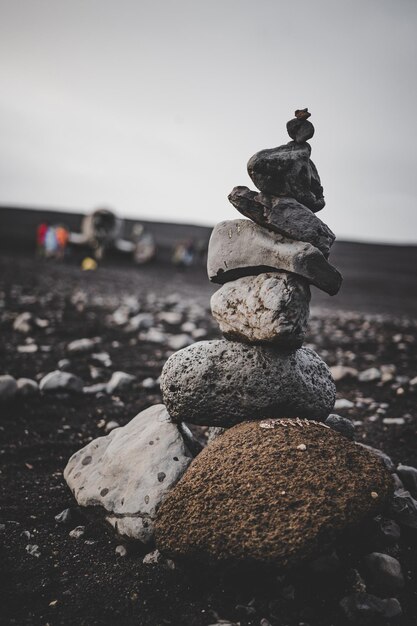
[{"x": 154, "y": 107}]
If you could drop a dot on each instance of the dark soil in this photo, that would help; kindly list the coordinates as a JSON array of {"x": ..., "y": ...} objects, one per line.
[{"x": 83, "y": 581}]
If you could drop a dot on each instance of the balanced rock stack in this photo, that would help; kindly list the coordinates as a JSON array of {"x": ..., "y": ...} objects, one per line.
[
  {"x": 279, "y": 485},
  {"x": 265, "y": 266}
]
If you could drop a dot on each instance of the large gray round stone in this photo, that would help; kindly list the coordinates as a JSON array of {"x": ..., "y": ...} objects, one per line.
[
  {"x": 126, "y": 475},
  {"x": 221, "y": 383},
  {"x": 269, "y": 308}
]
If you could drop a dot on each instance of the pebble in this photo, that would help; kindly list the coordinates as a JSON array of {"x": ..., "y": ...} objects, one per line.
[
  {"x": 111, "y": 426},
  {"x": 156, "y": 558},
  {"x": 102, "y": 358},
  {"x": 178, "y": 342},
  {"x": 343, "y": 425},
  {"x": 149, "y": 383},
  {"x": 364, "y": 608},
  {"x": 64, "y": 364},
  {"x": 408, "y": 476},
  {"x": 370, "y": 375},
  {"x": 33, "y": 550},
  {"x": 27, "y": 387},
  {"x": 23, "y": 323},
  {"x": 326, "y": 564},
  {"x": 341, "y": 372},
  {"x": 77, "y": 532},
  {"x": 65, "y": 517},
  {"x": 384, "y": 572},
  {"x": 121, "y": 550},
  {"x": 81, "y": 346},
  {"x": 61, "y": 381},
  {"x": 394, "y": 421},
  {"x": 29, "y": 348},
  {"x": 8, "y": 387},
  {"x": 119, "y": 381},
  {"x": 343, "y": 403},
  {"x": 404, "y": 508},
  {"x": 94, "y": 389}
]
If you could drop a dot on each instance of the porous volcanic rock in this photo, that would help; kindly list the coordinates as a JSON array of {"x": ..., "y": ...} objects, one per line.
[
  {"x": 288, "y": 171},
  {"x": 277, "y": 491},
  {"x": 268, "y": 308},
  {"x": 241, "y": 248},
  {"x": 221, "y": 383},
  {"x": 283, "y": 215},
  {"x": 126, "y": 474}
]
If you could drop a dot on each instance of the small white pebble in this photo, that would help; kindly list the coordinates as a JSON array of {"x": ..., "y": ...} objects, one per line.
[
  {"x": 374, "y": 495},
  {"x": 302, "y": 447},
  {"x": 121, "y": 551}
]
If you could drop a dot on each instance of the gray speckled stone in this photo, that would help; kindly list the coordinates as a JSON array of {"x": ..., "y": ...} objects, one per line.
[
  {"x": 221, "y": 383},
  {"x": 269, "y": 308},
  {"x": 241, "y": 248},
  {"x": 128, "y": 473},
  {"x": 288, "y": 171},
  {"x": 283, "y": 215}
]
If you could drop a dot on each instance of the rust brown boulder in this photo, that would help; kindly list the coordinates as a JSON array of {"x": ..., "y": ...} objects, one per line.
[{"x": 274, "y": 492}]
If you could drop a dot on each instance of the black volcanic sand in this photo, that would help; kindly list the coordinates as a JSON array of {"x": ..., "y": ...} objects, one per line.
[{"x": 83, "y": 581}]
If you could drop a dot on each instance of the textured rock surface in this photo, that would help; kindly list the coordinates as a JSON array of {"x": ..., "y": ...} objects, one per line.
[
  {"x": 270, "y": 308},
  {"x": 275, "y": 491},
  {"x": 289, "y": 172},
  {"x": 220, "y": 383},
  {"x": 283, "y": 215},
  {"x": 241, "y": 248},
  {"x": 128, "y": 473}
]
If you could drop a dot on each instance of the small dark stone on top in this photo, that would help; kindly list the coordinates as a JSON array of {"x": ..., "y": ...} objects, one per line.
[
  {"x": 300, "y": 130},
  {"x": 302, "y": 114}
]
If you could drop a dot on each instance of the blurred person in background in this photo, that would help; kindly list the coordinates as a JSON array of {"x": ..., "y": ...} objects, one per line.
[{"x": 40, "y": 238}]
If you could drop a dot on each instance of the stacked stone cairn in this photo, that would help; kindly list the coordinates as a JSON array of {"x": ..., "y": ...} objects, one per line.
[{"x": 280, "y": 479}]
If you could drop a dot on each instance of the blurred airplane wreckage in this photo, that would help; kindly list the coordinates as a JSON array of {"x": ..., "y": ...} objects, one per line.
[{"x": 102, "y": 230}]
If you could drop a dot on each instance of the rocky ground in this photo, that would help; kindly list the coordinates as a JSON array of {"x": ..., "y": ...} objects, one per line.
[{"x": 137, "y": 318}]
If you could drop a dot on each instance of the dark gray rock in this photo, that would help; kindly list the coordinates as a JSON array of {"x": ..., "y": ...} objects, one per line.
[
  {"x": 408, "y": 476},
  {"x": 241, "y": 248},
  {"x": 61, "y": 381},
  {"x": 283, "y": 215},
  {"x": 404, "y": 508},
  {"x": 384, "y": 572},
  {"x": 288, "y": 171},
  {"x": 300, "y": 130},
  {"x": 363, "y": 609},
  {"x": 8, "y": 387},
  {"x": 221, "y": 383},
  {"x": 343, "y": 425}
]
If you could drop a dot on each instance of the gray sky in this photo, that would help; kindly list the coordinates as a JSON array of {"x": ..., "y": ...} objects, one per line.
[{"x": 154, "y": 107}]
